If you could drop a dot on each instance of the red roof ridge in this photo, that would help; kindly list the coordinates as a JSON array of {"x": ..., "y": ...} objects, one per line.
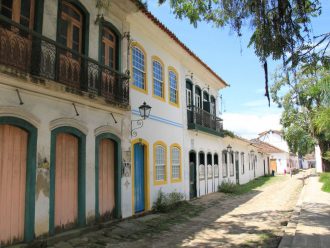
[{"x": 156, "y": 21}]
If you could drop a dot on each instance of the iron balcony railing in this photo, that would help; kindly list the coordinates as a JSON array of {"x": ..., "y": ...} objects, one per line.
[
  {"x": 203, "y": 119},
  {"x": 30, "y": 52}
]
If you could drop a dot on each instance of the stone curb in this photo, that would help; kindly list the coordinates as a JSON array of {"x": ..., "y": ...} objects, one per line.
[{"x": 290, "y": 229}]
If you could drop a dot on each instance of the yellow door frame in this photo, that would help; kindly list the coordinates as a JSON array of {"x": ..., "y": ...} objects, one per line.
[{"x": 146, "y": 173}]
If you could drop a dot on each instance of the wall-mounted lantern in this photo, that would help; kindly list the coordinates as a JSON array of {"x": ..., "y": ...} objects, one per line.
[{"x": 144, "y": 111}]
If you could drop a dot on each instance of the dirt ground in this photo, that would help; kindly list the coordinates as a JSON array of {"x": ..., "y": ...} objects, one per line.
[{"x": 254, "y": 219}]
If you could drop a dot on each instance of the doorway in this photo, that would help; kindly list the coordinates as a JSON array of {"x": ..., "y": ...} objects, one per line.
[
  {"x": 192, "y": 171},
  {"x": 237, "y": 166}
]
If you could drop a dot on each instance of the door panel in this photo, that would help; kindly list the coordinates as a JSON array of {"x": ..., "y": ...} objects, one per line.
[
  {"x": 193, "y": 191},
  {"x": 273, "y": 166},
  {"x": 106, "y": 178},
  {"x": 139, "y": 190},
  {"x": 70, "y": 35},
  {"x": 237, "y": 170},
  {"x": 13, "y": 160},
  {"x": 66, "y": 181}
]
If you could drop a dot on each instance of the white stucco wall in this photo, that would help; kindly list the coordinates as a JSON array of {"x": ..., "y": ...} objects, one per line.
[
  {"x": 275, "y": 140},
  {"x": 318, "y": 160},
  {"x": 50, "y": 111}
]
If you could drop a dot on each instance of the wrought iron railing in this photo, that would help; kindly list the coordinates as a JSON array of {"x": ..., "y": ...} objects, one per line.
[
  {"x": 203, "y": 118},
  {"x": 30, "y": 52}
]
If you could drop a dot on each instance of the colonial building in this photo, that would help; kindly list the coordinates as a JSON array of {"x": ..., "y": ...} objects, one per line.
[
  {"x": 74, "y": 149},
  {"x": 64, "y": 116},
  {"x": 281, "y": 159}
]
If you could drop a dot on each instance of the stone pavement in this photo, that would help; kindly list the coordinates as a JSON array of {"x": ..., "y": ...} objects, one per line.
[
  {"x": 255, "y": 219},
  {"x": 310, "y": 226}
]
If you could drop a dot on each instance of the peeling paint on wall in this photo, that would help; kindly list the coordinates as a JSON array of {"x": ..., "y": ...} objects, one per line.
[{"x": 43, "y": 183}]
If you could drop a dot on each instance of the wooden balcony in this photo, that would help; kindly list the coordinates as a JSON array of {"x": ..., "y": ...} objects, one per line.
[
  {"x": 202, "y": 120},
  {"x": 39, "y": 56}
]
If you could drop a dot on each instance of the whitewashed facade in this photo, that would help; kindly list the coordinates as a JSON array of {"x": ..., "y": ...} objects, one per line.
[{"x": 70, "y": 84}]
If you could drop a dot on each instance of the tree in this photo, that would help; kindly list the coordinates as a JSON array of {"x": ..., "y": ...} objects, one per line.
[
  {"x": 281, "y": 28},
  {"x": 305, "y": 99}
]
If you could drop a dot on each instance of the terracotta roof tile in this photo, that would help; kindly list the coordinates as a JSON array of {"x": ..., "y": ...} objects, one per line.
[{"x": 265, "y": 147}]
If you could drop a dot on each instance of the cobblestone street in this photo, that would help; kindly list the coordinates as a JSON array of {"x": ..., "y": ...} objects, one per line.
[{"x": 217, "y": 220}]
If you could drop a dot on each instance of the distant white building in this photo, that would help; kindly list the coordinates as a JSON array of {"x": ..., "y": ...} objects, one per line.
[{"x": 281, "y": 159}]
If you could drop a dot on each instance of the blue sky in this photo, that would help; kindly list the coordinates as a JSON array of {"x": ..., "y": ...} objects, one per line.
[{"x": 246, "y": 108}]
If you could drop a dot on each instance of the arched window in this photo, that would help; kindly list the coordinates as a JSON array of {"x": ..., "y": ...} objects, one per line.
[
  {"x": 71, "y": 27},
  {"x": 189, "y": 93},
  {"x": 173, "y": 87},
  {"x": 224, "y": 164},
  {"x": 175, "y": 163},
  {"x": 158, "y": 78},
  {"x": 198, "y": 94},
  {"x": 19, "y": 11},
  {"x": 231, "y": 163},
  {"x": 160, "y": 154},
  {"x": 216, "y": 165},
  {"x": 139, "y": 68},
  {"x": 209, "y": 166},
  {"x": 109, "y": 48}
]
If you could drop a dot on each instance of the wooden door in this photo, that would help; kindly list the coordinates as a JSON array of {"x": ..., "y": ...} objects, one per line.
[
  {"x": 70, "y": 35},
  {"x": 192, "y": 176},
  {"x": 139, "y": 189},
  {"x": 193, "y": 181},
  {"x": 13, "y": 161},
  {"x": 66, "y": 181},
  {"x": 19, "y": 11},
  {"x": 106, "y": 178},
  {"x": 273, "y": 166},
  {"x": 109, "y": 59},
  {"x": 109, "y": 48},
  {"x": 16, "y": 45}
]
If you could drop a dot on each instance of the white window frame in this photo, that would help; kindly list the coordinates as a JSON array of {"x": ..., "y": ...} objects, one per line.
[
  {"x": 178, "y": 164},
  {"x": 160, "y": 163}
]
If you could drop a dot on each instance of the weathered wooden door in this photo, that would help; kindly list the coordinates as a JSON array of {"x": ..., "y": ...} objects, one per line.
[
  {"x": 13, "y": 161},
  {"x": 66, "y": 181},
  {"x": 106, "y": 178},
  {"x": 139, "y": 190}
]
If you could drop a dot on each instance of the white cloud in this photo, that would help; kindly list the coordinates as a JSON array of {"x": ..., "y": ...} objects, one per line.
[
  {"x": 256, "y": 103},
  {"x": 249, "y": 125}
]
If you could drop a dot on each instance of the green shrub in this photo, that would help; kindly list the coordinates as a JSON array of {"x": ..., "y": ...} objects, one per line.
[
  {"x": 167, "y": 202},
  {"x": 325, "y": 179},
  {"x": 227, "y": 187}
]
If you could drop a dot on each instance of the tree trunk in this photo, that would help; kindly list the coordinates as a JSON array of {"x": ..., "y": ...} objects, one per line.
[{"x": 325, "y": 146}]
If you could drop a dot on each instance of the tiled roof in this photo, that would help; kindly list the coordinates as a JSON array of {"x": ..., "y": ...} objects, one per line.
[
  {"x": 265, "y": 147},
  {"x": 271, "y": 131},
  {"x": 157, "y": 22}
]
